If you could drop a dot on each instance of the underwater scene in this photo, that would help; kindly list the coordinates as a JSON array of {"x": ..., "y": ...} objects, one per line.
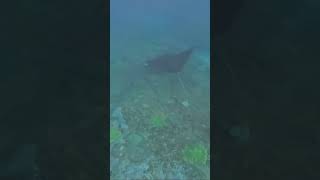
[{"x": 160, "y": 89}]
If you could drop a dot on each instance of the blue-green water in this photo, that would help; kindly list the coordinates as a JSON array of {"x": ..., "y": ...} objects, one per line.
[{"x": 160, "y": 122}]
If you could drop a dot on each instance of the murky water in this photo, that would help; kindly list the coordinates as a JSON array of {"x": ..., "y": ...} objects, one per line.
[{"x": 160, "y": 122}]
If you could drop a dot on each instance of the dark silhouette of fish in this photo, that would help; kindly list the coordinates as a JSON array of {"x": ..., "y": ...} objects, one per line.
[
  {"x": 165, "y": 63},
  {"x": 169, "y": 63}
]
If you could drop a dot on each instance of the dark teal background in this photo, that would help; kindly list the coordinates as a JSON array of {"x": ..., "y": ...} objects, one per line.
[{"x": 53, "y": 86}]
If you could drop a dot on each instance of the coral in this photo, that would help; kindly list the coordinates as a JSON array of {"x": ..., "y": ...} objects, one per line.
[{"x": 195, "y": 154}]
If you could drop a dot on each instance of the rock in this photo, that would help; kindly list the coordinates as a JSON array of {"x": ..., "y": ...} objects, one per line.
[
  {"x": 145, "y": 105},
  {"x": 185, "y": 104},
  {"x": 119, "y": 119},
  {"x": 136, "y": 149},
  {"x": 170, "y": 101}
]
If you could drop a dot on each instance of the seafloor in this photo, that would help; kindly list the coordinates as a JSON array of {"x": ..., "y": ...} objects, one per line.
[{"x": 156, "y": 118}]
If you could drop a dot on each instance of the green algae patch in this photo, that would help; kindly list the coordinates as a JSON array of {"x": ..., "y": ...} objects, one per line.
[
  {"x": 195, "y": 154},
  {"x": 115, "y": 134},
  {"x": 158, "y": 120}
]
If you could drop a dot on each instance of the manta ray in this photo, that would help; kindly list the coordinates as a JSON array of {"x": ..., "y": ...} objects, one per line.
[
  {"x": 169, "y": 63},
  {"x": 164, "y": 63}
]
